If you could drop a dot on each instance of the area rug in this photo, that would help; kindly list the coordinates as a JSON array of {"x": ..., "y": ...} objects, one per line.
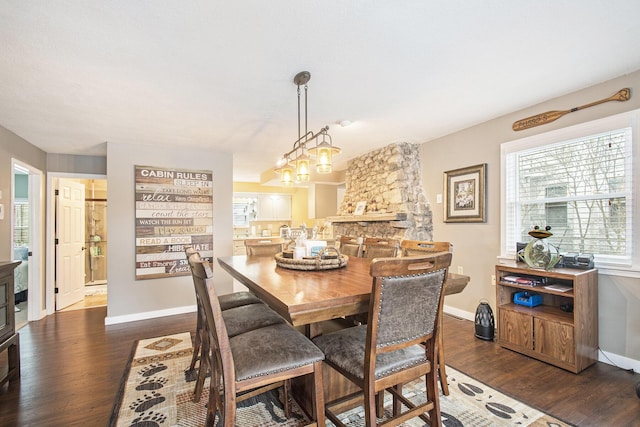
[{"x": 156, "y": 391}]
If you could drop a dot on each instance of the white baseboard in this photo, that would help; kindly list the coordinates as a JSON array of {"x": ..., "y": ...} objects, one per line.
[
  {"x": 619, "y": 361},
  {"x": 459, "y": 313},
  {"x": 603, "y": 356},
  {"x": 149, "y": 315}
]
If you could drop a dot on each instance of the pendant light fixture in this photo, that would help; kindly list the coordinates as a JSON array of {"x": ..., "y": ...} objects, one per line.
[{"x": 308, "y": 148}]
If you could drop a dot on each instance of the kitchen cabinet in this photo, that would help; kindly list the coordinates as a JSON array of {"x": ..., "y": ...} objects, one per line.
[
  {"x": 238, "y": 247},
  {"x": 563, "y": 329},
  {"x": 274, "y": 207}
]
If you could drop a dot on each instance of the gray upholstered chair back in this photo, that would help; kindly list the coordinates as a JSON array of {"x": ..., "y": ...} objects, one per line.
[
  {"x": 408, "y": 307},
  {"x": 408, "y": 292}
]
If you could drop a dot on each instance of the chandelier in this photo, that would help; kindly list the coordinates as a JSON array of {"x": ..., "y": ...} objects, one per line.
[{"x": 294, "y": 166}]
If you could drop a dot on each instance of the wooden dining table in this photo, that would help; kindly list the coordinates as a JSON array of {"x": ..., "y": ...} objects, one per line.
[{"x": 309, "y": 298}]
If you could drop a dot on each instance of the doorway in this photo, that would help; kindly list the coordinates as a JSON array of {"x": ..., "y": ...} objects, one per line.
[
  {"x": 26, "y": 236},
  {"x": 95, "y": 266},
  {"x": 90, "y": 290}
]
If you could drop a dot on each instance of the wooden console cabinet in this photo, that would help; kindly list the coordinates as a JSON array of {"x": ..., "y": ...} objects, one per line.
[
  {"x": 567, "y": 339},
  {"x": 9, "y": 340}
]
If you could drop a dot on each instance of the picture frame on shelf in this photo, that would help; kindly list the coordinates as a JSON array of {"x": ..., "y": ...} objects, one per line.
[
  {"x": 360, "y": 206},
  {"x": 465, "y": 194}
]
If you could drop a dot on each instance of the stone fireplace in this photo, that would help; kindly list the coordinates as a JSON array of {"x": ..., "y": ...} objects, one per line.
[{"x": 389, "y": 181}]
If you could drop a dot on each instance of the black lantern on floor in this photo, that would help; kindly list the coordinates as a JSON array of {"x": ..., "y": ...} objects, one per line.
[{"x": 485, "y": 323}]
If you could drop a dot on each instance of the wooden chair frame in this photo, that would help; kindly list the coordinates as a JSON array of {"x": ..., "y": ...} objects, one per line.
[
  {"x": 419, "y": 248},
  {"x": 264, "y": 246},
  {"x": 376, "y": 247},
  {"x": 372, "y": 388},
  {"x": 225, "y": 389},
  {"x": 351, "y": 246}
]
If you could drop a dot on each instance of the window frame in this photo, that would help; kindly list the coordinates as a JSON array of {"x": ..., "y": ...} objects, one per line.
[{"x": 630, "y": 119}]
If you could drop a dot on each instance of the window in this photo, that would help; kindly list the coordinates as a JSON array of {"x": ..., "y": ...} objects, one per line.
[
  {"x": 21, "y": 225},
  {"x": 579, "y": 182}
]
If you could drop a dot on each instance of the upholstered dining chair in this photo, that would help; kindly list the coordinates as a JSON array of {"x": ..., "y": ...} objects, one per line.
[
  {"x": 252, "y": 362},
  {"x": 351, "y": 246},
  {"x": 239, "y": 319},
  {"x": 376, "y": 247},
  {"x": 420, "y": 248},
  {"x": 398, "y": 344},
  {"x": 264, "y": 246}
]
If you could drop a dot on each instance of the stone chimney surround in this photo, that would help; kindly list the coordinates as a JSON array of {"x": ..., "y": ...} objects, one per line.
[{"x": 389, "y": 181}]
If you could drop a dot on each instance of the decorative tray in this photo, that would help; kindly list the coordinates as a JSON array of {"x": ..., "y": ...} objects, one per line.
[{"x": 329, "y": 258}]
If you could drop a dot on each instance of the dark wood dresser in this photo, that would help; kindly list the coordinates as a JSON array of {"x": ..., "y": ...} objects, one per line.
[{"x": 9, "y": 340}]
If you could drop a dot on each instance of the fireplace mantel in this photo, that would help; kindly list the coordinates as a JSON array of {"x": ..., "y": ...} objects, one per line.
[{"x": 387, "y": 217}]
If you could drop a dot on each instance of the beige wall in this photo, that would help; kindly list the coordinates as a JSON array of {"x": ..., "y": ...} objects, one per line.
[
  {"x": 131, "y": 299},
  {"x": 14, "y": 147},
  {"x": 476, "y": 246}
]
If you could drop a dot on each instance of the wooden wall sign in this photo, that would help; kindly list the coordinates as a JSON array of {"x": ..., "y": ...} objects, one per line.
[
  {"x": 550, "y": 116},
  {"x": 174, "y": 208}
]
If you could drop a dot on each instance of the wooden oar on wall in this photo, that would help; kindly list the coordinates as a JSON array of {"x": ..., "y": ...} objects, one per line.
[{"x": 550, "y": 116}]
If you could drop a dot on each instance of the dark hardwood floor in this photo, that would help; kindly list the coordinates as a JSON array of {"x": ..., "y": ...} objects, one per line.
[{"x": 72, "y": 366}]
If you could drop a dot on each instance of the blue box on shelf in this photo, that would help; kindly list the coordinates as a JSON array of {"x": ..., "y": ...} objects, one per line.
[{"x": 527, "y": 299}]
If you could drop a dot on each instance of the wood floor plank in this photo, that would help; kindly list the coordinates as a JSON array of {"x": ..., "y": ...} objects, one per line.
[{"x": 72, "y": 365}]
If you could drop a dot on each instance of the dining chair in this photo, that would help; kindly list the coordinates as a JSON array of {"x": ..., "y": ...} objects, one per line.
[
  {"x": 351, "y": 246},
  {"x": 253, "y": 362},
  {"x": 264, "y": 246},
  {"x": 376, "y": 247},
  {"x": 398, "y": 344},
  {"x": 239, "y": 319},
  {"x": 419, "y": 248}
]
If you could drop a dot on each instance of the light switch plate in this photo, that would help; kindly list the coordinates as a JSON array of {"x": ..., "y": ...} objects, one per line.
[{"x": 1, "y": 211}]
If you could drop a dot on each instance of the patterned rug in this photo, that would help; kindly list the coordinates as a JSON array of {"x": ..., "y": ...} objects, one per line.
[{"x": 156, "y": 392}]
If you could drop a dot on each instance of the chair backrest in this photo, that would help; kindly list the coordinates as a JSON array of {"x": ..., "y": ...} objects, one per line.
[
  {"x": 351, "y": 246},
  {"x": 264, "y": 246},
  {"x": 376, "y": 247},
  {"x": 406, "y": 300},
  {"x": 420, "y": 247}
]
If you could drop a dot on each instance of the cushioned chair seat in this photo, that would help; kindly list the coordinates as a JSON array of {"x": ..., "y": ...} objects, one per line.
[
  {"x": 271, "y": 349},
  {"x": 346, "y": 348},
  {"x": 237, "y": 299},
  {"x": 249, "y": 317}
]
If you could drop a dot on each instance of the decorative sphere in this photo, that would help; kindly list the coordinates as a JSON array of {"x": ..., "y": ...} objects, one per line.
[{"x": 540, "y": 254}]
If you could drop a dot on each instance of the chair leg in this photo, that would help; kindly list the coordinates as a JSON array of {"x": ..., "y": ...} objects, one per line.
[
  {"x": 287, "y": 398},
  {"x": 433, "y": 395},
  {"x": 370, "y": 405},
  {"x": 397, "y": 405},
  {"x": 197, "y": 343},
  {"x": 203, "y": 369},
  {"x": 318, "y": 395},
  {"x": 441, "y": 365},
  {"x": 380, "y": 404}
]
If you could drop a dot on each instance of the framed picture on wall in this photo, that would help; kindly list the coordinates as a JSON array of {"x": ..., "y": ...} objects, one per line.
[{"x": 465, "y": 196}]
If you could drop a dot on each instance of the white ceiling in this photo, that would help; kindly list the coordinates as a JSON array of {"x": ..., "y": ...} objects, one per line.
[{"x": 219, "y": 74}]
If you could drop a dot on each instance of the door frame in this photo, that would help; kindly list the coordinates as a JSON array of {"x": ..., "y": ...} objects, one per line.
[
  {"x": 34, "y": 269},
  {"x": 52, "y": 179}
]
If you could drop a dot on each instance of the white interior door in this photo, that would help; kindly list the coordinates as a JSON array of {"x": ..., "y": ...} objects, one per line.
[{"x": 70, "y": 218}]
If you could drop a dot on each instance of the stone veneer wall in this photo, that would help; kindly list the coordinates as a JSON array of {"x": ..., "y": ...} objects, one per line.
[{"x": 389, "y": 180}]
